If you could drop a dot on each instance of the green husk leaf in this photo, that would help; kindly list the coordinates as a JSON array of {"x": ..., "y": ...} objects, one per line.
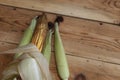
[
  {"x": 61, "y": 60},
  {"x": 27, "y": 35},
  {"x": 47, "y": 46}
]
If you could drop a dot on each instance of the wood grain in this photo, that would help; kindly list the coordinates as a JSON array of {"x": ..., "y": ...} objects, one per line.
[
  {"x": 91, "y": 69},
  {"x": 5, "y": 59},
  {"x": 92, "y": 48},
  {"x": 100, "y": 10}
]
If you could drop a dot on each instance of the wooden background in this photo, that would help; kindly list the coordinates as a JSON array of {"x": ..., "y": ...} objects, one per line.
[{"x": 92, "y": 47}]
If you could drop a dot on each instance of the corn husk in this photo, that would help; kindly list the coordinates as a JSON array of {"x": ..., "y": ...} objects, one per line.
[
  {"x": 27, "y": 36},
  {"x": 31, "y": 65},
  {"x": 61, "y": 59},
  {"x": 47, "y": 46}
]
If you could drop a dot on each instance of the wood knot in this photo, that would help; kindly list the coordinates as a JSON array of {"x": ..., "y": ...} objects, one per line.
[
  {"x": 117, "y": 4},
  {"x": 106, "y": 3},
  {"x": 80, "y": 77}
]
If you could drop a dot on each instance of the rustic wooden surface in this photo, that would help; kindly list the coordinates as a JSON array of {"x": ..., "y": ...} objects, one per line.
[
  {"x": 92, "y": 48},
  {"x": 101, "y": 10}
]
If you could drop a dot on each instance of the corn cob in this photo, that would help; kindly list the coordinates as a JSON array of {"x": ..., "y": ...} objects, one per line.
[
  {"x": 61, "y": 60},
  {"x": 40, "y": 32}
]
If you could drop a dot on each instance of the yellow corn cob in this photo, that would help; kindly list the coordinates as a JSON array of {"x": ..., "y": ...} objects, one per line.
[{"x": 40, "y": 32}]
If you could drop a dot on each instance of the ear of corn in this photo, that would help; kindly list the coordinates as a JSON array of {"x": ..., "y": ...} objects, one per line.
[
  {"x": 27, "y": 35},
  {"x": 61, "y": 60},
  {"x": 40, "y": 32},
  {"x": 47, "y": 46},
  {"x": 28, "y": 64}
]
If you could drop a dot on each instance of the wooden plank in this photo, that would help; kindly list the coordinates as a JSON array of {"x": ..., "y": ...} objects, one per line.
[
  {"x": 11, "y": 37},
  {"x": 88, "y": 75},
  {"x": 5, "y": 59},
  {"x": 76, "y": 26},
  {"x": 92, "y": 46},
  {"x": 100, "y": 10},
  {"x": 91, "y": 69},
  {"x": 94, "y": 66}
]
